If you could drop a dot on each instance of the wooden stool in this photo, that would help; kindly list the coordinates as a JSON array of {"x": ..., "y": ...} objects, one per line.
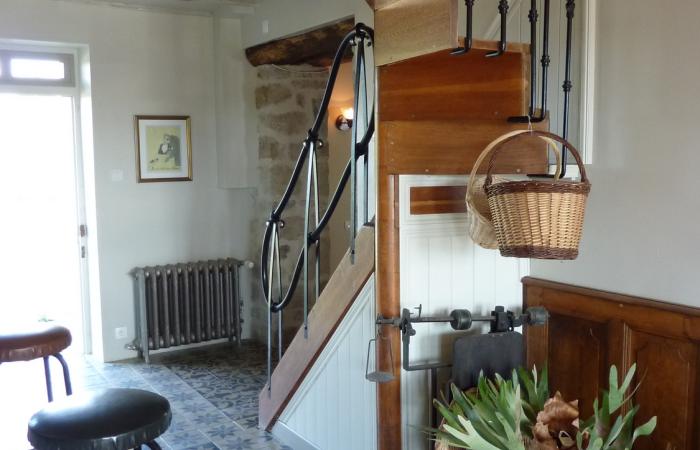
[
  {"x": 39, "y": 341},
  {"x": 112, "y": 419}
]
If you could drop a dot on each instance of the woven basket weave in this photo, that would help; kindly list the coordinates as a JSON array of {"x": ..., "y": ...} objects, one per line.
[
  {"x": 538, "y": 219},
  {"x": 479, "y": 226}
]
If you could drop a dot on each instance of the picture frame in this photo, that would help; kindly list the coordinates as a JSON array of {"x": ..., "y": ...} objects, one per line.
[{"x": 163, "y": 148}]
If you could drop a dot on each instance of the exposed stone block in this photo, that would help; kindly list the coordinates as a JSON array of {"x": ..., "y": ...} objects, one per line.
[
  {"x": 268, "y": 148},
  {"x": 310, "y": 83},
  {"x": 292, "y": 122},
  {"x": 271, "y": 94}
]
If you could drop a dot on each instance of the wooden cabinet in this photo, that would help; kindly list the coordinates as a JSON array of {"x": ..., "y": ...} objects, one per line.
[{"x": 589, "y": 330}]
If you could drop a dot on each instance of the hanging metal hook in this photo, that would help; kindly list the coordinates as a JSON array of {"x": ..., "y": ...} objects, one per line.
[
  {"x": 502, "y": 44},
  {"x": 468, "y": 37},
  {"x": 533, "y": 17}
]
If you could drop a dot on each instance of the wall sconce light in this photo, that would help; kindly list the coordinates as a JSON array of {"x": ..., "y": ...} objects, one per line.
[{"x": 344, "y": 121}]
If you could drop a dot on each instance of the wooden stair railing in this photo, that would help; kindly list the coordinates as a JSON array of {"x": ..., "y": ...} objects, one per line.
[{"x": 336, "y": 299}]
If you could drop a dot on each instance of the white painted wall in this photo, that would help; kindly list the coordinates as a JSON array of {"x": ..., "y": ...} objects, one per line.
[
  {"x": 335, "y": 406},
  {"x": 641, "y": 234},
  {"x": 142, "y": 63},
  {"x": 235, "y": 165},
  {"x": 442, "y": 269}
]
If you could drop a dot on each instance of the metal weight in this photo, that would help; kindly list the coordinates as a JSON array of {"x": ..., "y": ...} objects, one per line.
[
  {"x": 378, "y": 376},
  {"x": 461, "y": 319}
]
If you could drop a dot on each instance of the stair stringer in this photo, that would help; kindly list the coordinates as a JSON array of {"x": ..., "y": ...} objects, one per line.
[
  {"x": 338, "y": 296},
  {"x": 335, "y": 406}
]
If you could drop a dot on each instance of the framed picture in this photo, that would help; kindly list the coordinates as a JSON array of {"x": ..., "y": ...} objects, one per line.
[{"x": 163, "y": 148}]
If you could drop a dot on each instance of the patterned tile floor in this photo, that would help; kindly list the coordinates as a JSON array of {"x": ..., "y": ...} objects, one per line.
[{"x": 213, "y": 393}]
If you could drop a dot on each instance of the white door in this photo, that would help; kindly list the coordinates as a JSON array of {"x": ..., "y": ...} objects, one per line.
[{"x": 40, "y": 188}]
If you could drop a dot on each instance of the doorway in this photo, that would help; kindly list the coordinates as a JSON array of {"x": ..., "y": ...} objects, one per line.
[{"x": 42, "y": 236}]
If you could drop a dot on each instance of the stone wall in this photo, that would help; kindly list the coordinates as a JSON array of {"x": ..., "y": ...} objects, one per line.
[{"x": 287, "y": 99}]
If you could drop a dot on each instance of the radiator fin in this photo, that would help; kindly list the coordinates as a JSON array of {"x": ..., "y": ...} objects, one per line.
[{"x": 187, "y": 303}]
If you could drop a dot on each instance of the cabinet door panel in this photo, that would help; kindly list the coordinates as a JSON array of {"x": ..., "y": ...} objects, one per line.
[
  {"x": 577, "y": 359},
  {"x": 667, "y": 371},
  {"x": 589, "y": 330}
]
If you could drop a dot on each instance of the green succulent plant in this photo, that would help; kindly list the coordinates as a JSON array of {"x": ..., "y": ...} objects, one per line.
[
  {"x": 500, "y": 414},
  {"x": 604, "y": 434}
]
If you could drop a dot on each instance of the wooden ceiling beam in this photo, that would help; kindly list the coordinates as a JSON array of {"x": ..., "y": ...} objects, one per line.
[
  {"x": 316, "y": 47},
  {"x": 379, "y": 4}
]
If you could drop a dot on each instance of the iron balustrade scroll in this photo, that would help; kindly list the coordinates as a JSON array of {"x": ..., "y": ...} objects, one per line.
[{"x": 276, "y": 297}]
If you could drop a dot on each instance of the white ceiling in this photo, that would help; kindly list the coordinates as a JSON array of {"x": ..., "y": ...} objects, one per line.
[{"x": 223, "y": 8}]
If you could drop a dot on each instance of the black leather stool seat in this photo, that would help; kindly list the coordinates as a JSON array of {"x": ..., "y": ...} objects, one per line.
[{"x": 113, "y": 419}]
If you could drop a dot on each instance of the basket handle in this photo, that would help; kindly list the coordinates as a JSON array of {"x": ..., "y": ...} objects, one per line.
[
  {"x": 512, "y": 134},
  {"x": 565, "y": 144}
]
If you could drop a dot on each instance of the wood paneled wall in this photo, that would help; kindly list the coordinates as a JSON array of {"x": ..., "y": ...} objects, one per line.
[
  {"x": 336, "y": 384},
  {"x": 589, "y": 330}
]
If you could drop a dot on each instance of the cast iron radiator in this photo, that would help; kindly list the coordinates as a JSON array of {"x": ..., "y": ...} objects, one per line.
[{"x": 186, "y": 303}]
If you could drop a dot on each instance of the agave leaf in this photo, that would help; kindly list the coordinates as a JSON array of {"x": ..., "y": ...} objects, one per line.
[
  {"x": 624, "y": 440},
  {"x": 617, "y": 394},
  {"x": 476, "y": 442},
  {"x": 628, "y": 378},
  {"x": 542, "y": 386},
  {"x": 470, "y": 439},
  {"x": 602, "y": 422},
  {"x": 457, "y": 437},
  {"x": 450, "y": 418},
  {"x": 595, "y": 444},
  {"x": 644, "y": 430},
  {"x": 614, "y": 431},
  {"x": 612, "y": 378},
  {"x": 459, "y": 398},
  {"x": 528, "y": 383}
]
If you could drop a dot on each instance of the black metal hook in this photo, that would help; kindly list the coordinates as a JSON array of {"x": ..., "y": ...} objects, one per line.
[
  {"x": 470, "y": 27},
  {"x": 568, "y": 84},
  {"x": 544, "y": 61},
  {"x": 503, "y": 43}
]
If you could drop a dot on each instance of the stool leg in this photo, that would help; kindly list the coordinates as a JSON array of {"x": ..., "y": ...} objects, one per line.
[
  {"x": 153, "y": 445},
  {"x": 66, "y": 374},
  {"x": 47, "y": 372}
]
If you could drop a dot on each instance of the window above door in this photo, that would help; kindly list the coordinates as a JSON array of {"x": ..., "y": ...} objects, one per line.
[{"x": 29, "y": 68}]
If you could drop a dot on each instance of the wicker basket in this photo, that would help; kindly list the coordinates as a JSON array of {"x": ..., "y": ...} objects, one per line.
[
  {"x": 479, "y": 226},
  {"x": 538, "y": 219}
]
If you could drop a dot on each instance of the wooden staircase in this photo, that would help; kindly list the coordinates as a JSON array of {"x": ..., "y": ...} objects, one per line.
[
  {"x": 336, "y": 299},
  {"x": 436, "y": 113}
]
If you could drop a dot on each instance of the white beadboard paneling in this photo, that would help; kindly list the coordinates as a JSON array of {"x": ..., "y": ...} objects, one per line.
[
  {"x": 442, "y": 269},
  {"x": 335, "y": 406}
]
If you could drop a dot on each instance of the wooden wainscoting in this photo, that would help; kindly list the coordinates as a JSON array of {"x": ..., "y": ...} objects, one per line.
[{"x": 589, "y": 330}]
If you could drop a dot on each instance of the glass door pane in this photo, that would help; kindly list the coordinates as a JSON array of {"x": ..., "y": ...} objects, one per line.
[{"x": 40, "y": 262}]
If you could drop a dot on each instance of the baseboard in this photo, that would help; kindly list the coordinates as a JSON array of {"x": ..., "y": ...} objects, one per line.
[{"x": 290, "y": 438}]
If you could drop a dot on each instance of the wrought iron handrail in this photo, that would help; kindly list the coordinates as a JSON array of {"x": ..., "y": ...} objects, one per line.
[{"x": 360, "y": 36}]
